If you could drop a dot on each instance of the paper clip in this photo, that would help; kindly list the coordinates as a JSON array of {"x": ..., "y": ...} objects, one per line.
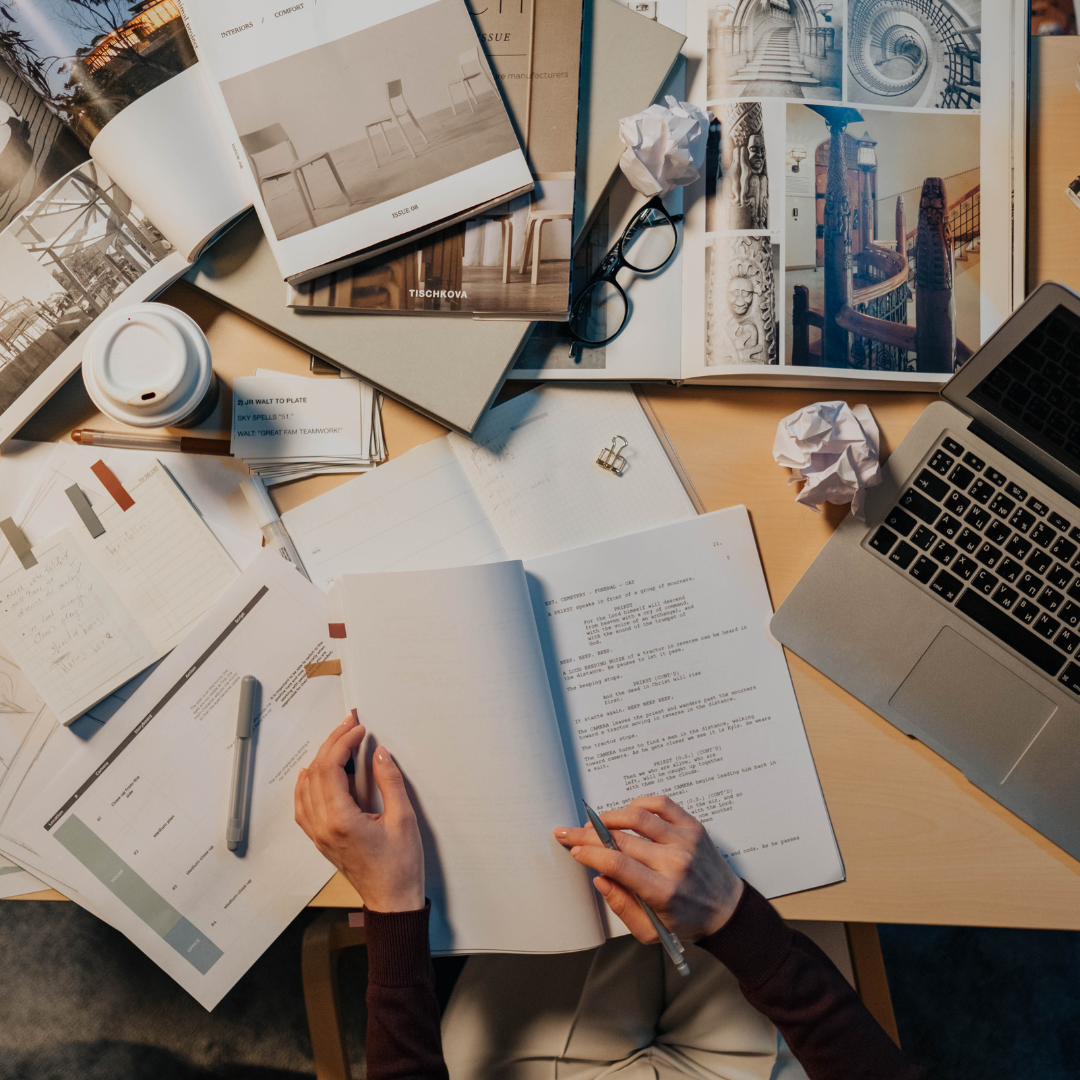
[{"x": 611, "y": 457}]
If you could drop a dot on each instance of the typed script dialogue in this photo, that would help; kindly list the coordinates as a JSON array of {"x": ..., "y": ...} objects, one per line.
[{"x": 666, "y": 682}]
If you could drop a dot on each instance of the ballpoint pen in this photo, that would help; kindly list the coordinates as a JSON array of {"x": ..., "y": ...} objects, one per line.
[
  {"x": 672, "y": 945},
  {"x": 238, "y": 802}
]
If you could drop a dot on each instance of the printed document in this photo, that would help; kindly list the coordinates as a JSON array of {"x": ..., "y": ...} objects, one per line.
[{"x": 136, "y": 821}]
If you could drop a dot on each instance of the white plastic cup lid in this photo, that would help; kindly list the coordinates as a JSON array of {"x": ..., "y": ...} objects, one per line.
[{"x": 147, "y": 365}]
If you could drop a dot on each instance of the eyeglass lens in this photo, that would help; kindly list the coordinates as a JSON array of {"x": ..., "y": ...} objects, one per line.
[
  {"x": 598, "y": 314},
  {"x": 650, "y": 241}
]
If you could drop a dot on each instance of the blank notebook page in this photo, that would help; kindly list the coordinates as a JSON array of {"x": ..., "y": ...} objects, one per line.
[{"x": 532, "y": 464}]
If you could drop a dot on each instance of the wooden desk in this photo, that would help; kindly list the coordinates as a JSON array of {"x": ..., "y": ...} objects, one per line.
[{"x": 920, "y": 844}]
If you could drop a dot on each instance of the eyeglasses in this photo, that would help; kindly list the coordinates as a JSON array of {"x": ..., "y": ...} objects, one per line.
[{"x": 646, "y": 246}]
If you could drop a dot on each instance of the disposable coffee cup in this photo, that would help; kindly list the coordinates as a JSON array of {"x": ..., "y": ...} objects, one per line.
[{"x": 149, "y": 366}]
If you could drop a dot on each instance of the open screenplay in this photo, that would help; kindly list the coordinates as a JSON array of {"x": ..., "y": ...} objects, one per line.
[{"x": 637, "y": 666}]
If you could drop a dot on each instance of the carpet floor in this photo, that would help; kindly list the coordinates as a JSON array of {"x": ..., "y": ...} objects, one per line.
[{"x": 80, "y": 1002}]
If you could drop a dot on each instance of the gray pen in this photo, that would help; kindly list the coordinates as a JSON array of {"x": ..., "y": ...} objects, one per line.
[
  {"x": 672, "y": 945},
  {"x": 238, "y": 802}
]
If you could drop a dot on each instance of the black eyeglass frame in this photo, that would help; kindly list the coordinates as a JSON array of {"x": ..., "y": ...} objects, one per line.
[{"x": 615, "y": 260}]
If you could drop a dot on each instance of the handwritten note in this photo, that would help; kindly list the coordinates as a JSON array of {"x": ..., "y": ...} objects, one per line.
[{"x": 68, "y": 630}]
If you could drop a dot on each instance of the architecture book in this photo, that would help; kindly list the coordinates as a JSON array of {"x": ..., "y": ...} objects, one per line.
[
  {"x": 356, "y": 128},
  {"x": 836, "y": 236},
  {"x": 112, "y": 179},
  {"x": 641, "y": 665},
  {"x": 513, "y": 260}
]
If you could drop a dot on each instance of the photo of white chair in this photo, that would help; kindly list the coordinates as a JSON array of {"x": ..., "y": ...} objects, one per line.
[
  {"x": 471, "y": 68},
  {"x": 268, "y": 138},
  {"x": 534, "y": 225},
  {"x": 399, "y": 110}
]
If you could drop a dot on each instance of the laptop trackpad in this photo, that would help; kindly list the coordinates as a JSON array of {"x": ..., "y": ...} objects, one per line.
[{"x": 972, "y": 704}]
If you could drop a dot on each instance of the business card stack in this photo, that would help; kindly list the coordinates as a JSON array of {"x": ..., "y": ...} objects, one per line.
[{"x": 288, "y": 426}]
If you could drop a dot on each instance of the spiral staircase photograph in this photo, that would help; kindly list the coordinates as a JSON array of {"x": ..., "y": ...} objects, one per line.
[
  {"x": 775, "y": 48},
  {"x": 918, "y": 53}
]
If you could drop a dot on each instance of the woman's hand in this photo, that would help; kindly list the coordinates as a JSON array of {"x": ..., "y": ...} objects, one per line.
[
  {"x": 671, "y": 864},
  {"x": 380, "y": 854}
]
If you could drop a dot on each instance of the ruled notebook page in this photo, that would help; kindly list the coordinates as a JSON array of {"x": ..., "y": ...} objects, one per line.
[
  {"x": 532, "y": 464},
  {"x": 160, "y": 558}
]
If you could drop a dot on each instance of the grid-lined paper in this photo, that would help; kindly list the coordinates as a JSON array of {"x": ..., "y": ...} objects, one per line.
[{"x": 95, "y": 611}]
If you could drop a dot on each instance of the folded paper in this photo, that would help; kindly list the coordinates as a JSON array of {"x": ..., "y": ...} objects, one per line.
[
  {"x": 665, "y": 146},
  {"x": 834, "y": 450}
]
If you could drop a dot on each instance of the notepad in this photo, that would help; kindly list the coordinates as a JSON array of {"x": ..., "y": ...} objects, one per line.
[
  {"x": 93, "y": 611},
  {"x": 526, "y": 484}
]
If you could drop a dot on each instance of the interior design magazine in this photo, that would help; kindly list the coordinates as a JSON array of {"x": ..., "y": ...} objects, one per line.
[
  {"x": 836, "y": 236},
  {"x": 357, "y": 126},
  {"x": 113, "y": 178},
  {"x": 514, "y": 259}
]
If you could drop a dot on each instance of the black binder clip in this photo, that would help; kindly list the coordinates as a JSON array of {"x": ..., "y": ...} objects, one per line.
[{"x": 611, "y": 457}]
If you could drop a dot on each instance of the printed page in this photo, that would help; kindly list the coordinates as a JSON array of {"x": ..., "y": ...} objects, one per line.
[
  {"x": 136, "y": 822},
  {"x": 532, "y": 464},
  {"x": 159, "y": 557},
  {"x": 329, "y": 182},
  {"x": 453, "y": 683},
  {"x": 67, "y": 629},
  {"x": 921, "y": 141},
  {"x": 667, "y": 682},
  {"x": 418, "y": 512}
]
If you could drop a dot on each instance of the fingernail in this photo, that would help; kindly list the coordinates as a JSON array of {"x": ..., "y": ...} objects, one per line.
[
  {"x": 561, "y": 831},
  {"x": 382, "y": 756},
  {"x": 355, "y": 716},
  {"x": 303, "y": 772},
  {"x": 575, "y": 849},
  {"x": 603, "y": 886}
]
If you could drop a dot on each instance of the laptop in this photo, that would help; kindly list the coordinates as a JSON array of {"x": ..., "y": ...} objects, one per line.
[{"x": 953, "y": 611}]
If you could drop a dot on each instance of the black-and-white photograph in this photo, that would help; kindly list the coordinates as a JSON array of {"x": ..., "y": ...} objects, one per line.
[
  {"x": 740, "y": 301},
  {"x": 775, "y": 48},
  {"x": 924, "y": 55},
  {"x": 408, "y": 102},
  {"x": 736, "y": 169},
  {"x": 63, "y": 260}
]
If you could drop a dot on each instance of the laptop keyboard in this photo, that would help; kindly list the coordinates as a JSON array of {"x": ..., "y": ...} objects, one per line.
[{"x": 1004, "y": 559}]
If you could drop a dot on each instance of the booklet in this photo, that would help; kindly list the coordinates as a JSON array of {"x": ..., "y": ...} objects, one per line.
[
  {"x": 355, "y": 128},
  {"x": 835, "y": 237},
  {"x": 513, "y": 260},
  {"x": 638, "y": 666},
  {"x": 113, "y": 178}
]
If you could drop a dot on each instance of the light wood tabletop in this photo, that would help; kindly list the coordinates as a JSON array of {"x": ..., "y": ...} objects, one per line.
[{"x": 920, "y": 844}]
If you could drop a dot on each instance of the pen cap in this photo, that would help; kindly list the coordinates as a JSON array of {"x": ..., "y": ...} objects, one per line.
[
  {"x": 148, "y": 365},
  {"x": 260, "y": 502},
  {"x": 245, "y": 713}
]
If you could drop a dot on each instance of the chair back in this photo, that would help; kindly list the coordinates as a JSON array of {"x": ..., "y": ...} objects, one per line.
[
  {"x": 265, "y": 139},
  {"x": 469, "y": 62},
  {"x": 394, "y": 94}
]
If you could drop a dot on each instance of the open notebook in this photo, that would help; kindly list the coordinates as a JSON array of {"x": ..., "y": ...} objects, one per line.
[
  {"x": 90, "y": 606},
  {"x": 640, "y": 665},
  {"x": 526, "y": 484}
]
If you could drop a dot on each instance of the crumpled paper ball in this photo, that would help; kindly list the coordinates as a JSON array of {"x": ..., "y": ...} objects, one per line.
[
  {"x": 665, "y": 146},
  {"x": 834, "y": 449}
]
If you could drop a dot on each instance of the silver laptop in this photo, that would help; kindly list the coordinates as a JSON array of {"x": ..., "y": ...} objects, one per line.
[{"x": 954, "y": 610}]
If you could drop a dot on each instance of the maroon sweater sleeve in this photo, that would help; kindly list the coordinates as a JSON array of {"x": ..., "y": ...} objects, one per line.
[
  {"x": 784, "y": 975},
  {"x": 403, "y": 1036}
]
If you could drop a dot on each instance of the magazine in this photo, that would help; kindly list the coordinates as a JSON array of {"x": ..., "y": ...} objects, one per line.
[
  {"x": 113, "y": 178},
  {"x": 836, "y": 236},
  {"x": 356, "y": 130},
  {"x": 513, "y": 260}
]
